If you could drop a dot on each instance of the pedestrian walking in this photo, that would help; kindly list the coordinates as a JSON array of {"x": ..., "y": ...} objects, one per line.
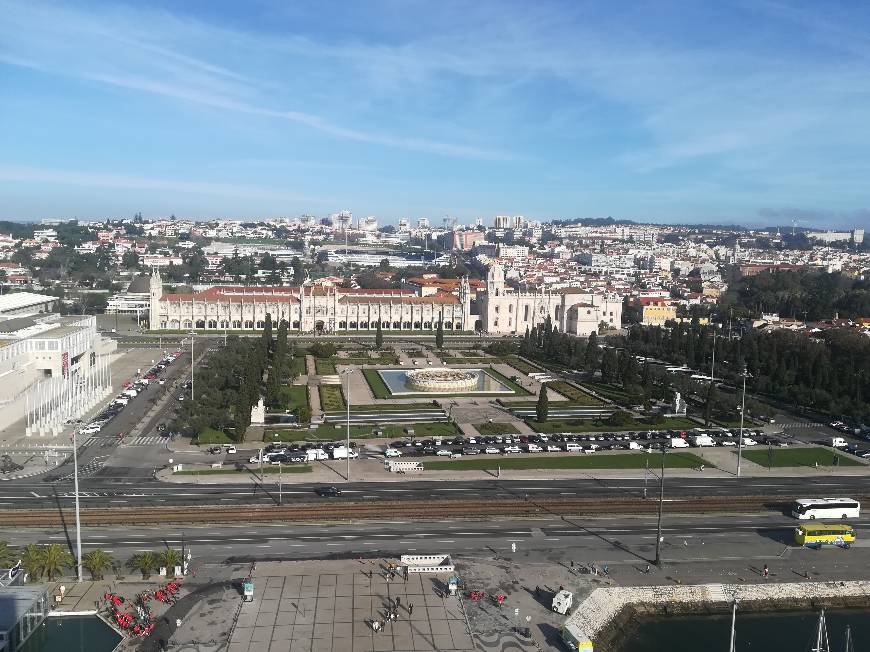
[
  {"x": 537, "y": 591},
  {"x": 765, "y": 573},
  {"x": 604, "y": 570},
  {"x": 398, "y": 602},
  {"x": 410, "y": 609},
  {"x": 572, "y": 564}
]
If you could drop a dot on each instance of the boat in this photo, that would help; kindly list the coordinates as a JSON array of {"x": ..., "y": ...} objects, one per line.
[
  {"x": 849, "y": 646},
  {"x": 821, "y": 643}
]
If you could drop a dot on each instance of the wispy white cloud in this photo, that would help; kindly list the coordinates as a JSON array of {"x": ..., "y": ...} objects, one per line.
[
  {"x": 64, "y": 42},
  {"x": 25, "y": 174}
]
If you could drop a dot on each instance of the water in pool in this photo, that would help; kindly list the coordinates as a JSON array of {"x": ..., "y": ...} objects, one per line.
[{"x": 72, "y": 634}]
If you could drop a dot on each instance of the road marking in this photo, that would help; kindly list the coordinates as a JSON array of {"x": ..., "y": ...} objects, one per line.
[{"x": 446, "y": 541}]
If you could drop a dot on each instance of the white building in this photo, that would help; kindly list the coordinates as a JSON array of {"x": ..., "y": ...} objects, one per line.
[
  {"x": 572, "y": 310},
  {"x": 52, "y": 369},
  {"x": 22, "y": 304}
]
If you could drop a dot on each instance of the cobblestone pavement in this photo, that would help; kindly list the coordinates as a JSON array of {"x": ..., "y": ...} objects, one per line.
[{"x": 330, "y": 606}]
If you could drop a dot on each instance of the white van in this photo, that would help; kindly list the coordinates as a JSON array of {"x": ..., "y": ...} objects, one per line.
[
  {"x": 634, "y": 446},
  {"x": 392, "y": 452},
  {"x": 573, "y": 447},
  {"x": 678, "y": 442},
  {"x": 121, "y": 400},
  {"x": 838, "y": 442},
  {"x": 316, "y": 454},
  {"x": 533, "y": 448},
  {"x": 703, "y": 440}
]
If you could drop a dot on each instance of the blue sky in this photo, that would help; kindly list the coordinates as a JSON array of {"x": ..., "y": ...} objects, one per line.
[{"x": 748, "y": 112}]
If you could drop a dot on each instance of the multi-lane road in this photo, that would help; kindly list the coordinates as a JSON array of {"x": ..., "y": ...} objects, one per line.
[{"x": 123, "y": 491}]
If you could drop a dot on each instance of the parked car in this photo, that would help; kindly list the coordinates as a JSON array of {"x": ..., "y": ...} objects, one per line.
[
  {"x": 442, "y": 452},
  {"x": 491, "y": 450},
  {"x": 392, "y": 452},
  {"x": 510, "y": 449}
]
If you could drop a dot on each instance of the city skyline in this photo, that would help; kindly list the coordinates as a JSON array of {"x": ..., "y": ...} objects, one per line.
[{"x": 743, "y": 114}]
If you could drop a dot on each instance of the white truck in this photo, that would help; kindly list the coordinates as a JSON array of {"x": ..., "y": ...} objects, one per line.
[
  {"x": 313, "y": 454},
  {"x": 678, "y": 442},
  {"x": 838, "y": 442},
  {"x": 343, "y": 452},
  {"x": 703, "y": 440}
]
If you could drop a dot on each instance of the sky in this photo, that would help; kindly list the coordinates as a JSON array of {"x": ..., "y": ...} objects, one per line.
[{"x": 747, "y": 112}]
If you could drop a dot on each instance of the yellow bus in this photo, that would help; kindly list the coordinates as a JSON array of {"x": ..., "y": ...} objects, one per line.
[{"x": 814, "y": 534}]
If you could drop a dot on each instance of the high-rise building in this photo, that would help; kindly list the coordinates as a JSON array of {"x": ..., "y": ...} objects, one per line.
[
  {"x": 423, "y": 223},
  {"x": 502, "y": 222}
]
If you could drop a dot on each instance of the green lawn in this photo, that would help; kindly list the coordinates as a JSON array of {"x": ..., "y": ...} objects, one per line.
[
  {"x": 393, "y": 407},
  {"x": 338, "y": 431},
  {"x": 799, "y": 457},
  {"x": 286, "y": 468},
  {"x": 522, "y": 366},
  {"x": 572, "y": 461},
  {"x": 291, "y": 397},
  {"x": 490, "y": 429},
  {"x": 518, "y": 390},
  {"x": 324, "y": 366},
  {"x": 589, "y": 425},
  {"x": 209, "y": 436},
  {"x": 331, "y": 398},
  {"x": 574, "y": 394},
  {"x": 466, "y": 360},
  {"x": 614, "y": 393},
  {"x": 376, "y": 383},
  {"x": 297, "y": 366}
]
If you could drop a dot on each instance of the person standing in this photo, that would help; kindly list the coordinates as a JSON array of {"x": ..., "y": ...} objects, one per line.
[{"x": 765, "y": 573}]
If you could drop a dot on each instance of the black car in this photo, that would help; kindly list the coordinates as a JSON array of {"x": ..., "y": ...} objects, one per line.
[
  {"x": 429, "y": 450},
  {"x": 328, "y": 492}
]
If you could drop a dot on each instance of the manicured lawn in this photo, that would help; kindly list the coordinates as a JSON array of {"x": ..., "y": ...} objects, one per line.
[
  {"x": 520, "y": 391},
  {"x": 267, "y": 469},
  {"x": 292, "y": 397},
  {"x": 297, "y": 366},
  {"x": 522, "y": 366},
  {"x": 570, "y": 461},
  {"x": 465, "y": 360},
  {"x": 574, "y": 394},
  {"x": 799, "y": 457},
  {"x": 393, "y": 407},
  {"x": 614, "y": 393},
  {"x": 376, "y": 383},
  {"x": 324, "y": 366},
  {"x": 209, "y": 436},
  {"x": 588, "y": 425},
  {"x": 490, "y": 429},
  {"x": 338, "y": 431},
  {"x": 331, "y": 398}
]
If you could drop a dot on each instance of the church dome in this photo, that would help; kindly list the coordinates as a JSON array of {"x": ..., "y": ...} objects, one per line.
[{"x": 140, "y": 285}]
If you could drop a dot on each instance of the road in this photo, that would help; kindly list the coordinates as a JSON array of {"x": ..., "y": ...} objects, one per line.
[
  {"x": 124, "y": 491},
  {"x": 622, "y": 541}
]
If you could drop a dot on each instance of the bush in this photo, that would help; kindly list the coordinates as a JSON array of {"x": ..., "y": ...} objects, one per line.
[
  {"x": 502, "y": 348},
  {"x": 619, "y": 418},
  {"x": 322, "y": 349}
]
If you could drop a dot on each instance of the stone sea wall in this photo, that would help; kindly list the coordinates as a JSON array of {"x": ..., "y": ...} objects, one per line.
[{"x": 606, "y": 616}]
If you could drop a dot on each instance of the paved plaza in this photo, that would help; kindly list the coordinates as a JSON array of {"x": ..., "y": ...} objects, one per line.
[{"x": 319, "y": 607}]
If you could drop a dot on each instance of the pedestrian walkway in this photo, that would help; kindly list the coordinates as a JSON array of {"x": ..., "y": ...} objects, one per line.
[{"x": 332, "y": 607}]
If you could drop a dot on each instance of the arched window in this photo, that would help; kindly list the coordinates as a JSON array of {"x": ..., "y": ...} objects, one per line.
[
  {"x": 261, "y": 324},
  {"x": 448, "y": 325},
  {"x": 353, "y": 325},
  {"x": 496, "y": 310},
  {"x": 495, "y": 323},
  {"x": 427, "y": 324},
  {"x": 200, "y": 323},
  {"x": 525, "y": 313},
  {"x": 363, "y": 324},
  {"x": 511, "y": 308},
  {"x": 237, "y": 324},
  {"x": 342, "y": 324},
  {"x": 249, "y": 324},
  {"x": 296, "y": 324},
  {"x": 406, "y": 325},
  {"x": 187, "y": 324},
  {"x": 397, "y": 325},
  {"x": 458, "y": 326},
  {"x": 416, "y": 324}
]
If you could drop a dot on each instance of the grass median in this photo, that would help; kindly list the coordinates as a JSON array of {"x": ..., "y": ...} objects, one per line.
[
  {"x": 594, "y": 425},
  {"x": 799, "y": 457},
  {"x": 572, "y": 461}
]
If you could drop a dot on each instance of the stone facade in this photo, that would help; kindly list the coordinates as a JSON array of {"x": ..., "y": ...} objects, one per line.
[
  {"x": 571, "y": 310},
  {"x": 308, "y": 309}
]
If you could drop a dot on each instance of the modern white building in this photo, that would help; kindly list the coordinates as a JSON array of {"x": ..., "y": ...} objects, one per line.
[
  {"x": 23, "y": 304},
  {"x": 52, "y": 369},
  {"x": 135, "y": 301}
]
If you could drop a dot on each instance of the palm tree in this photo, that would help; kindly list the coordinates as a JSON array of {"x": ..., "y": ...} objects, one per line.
[
  {"x": 169, "y": 558},
  {"x": 97, "y": 561},
  {"x": 31, "y": 559},
  {"x": 144, "y": 562},
  {"x": 54, "y": 559},
  {"x": 8, "y": 556}
]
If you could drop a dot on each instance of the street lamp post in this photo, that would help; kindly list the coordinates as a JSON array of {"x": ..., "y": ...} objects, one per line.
[
  {"x": 78, "y": 519},
  {"x": 658, "y": 561},
  {"x": 347, "y": 373},
  {"x": 192, "y": 336},
  {"x": 740, "y": 439},
  {"x": 280, "y": 489}
]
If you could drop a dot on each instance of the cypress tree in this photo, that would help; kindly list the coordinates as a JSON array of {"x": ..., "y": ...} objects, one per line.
[
  {"x": 439, "y": 336},
  {"x": 379, "y": 337},
  {"x": 542, "y": 409}
]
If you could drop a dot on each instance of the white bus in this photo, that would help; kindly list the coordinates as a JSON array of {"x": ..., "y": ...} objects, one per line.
[{"x": 813, "y": 508}]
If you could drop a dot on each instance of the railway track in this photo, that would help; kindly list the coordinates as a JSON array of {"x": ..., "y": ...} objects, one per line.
[{"x": 339, "y": 510}]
